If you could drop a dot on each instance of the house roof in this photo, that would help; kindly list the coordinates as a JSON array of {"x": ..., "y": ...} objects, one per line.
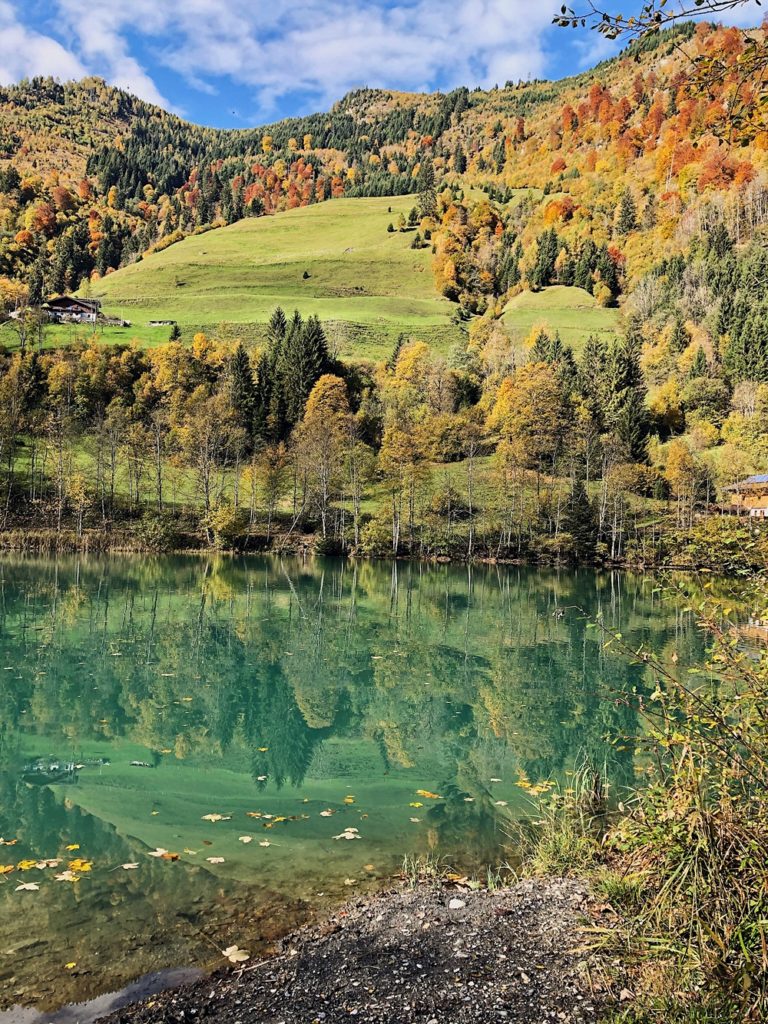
[
  {"x": 70, "y": 300},
  {"x": 751, "y": 481}
]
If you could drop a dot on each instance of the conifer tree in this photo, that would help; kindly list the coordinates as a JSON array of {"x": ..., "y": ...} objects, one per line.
[
  {"x": 242, "y": 389},
  {"x": 593, "y": 378},
  {"x": 581, "y": 523},
  {"x": 627, "y": 414},
  {"x": 627, "y": 213},
  {"x": 699, "y": 366},
  {"x": 427, "y": 194}
]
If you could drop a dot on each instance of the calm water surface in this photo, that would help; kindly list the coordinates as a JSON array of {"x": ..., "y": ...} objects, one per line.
[{"x": 297, "y": 701}]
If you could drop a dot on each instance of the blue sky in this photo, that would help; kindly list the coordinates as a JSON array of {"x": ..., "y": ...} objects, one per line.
[{"x": 236, "y": 63}]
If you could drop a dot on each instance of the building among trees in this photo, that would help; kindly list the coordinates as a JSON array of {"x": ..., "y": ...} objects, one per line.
[{"x": 750, "y": 496}]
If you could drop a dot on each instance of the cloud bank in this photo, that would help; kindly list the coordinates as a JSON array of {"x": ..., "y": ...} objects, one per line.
[{"x": 304, "y": 53}]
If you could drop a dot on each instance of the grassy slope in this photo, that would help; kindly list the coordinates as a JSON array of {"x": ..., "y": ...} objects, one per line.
[
  {"x": 365, "y": 283},
  {"x": 571, "y": 311}
]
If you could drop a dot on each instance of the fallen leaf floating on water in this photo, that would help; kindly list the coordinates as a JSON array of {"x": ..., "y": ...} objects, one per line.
[
  {"x": 190, "y": 853},
  {"x": 262, "y": 778},
  {"x": 8, "y": 842},
  {"x": 246, "y": 839},
  {"x": 349, "y": 799},
  {"x": 263, "y": 750},
  {"x": 215, "y": 860},
  {"x": 415, "y": 820},
  {"x": 25, "y": 865},
  {"x": 265, "y": 842},
  {"x": 129, "y": 867},
  {"x": 170, "y": 856},
  {"x": 427, "y": 795},
  {"x": 43, "y": 864},
  {"x": 501, "y": 803},
  {"x": 71, "y": 847},
  {"x": 28, "y": 887},
  {"x": 80, "y": 866},
  {"x": 350, "y": 881},
  {"x": 327, "y": 813},
  {"x": 217, "y": 817},
  {"x": 349, "y": 833},
  {"x": 6, "y": 869},
  {"x": 71, "y": 965},
  {"x": 415, "y": 803},
  {"x": 159, "y": 852},
  {"x": 469, "y": 799},
  {"x": 495, "y": 780},
  {"x": 67, "y": 876},
  {"x": 236, "y": 955}
]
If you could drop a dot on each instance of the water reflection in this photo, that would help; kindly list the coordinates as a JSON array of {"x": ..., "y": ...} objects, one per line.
[{"x": 140, "y": 696}]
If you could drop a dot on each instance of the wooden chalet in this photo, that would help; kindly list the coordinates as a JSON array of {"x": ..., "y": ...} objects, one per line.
[
  {"x": 750, "y": 496},
  {"x": 66, "y": 309}
]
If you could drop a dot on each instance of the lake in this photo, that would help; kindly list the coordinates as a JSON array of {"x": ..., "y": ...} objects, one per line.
[{"x": 279, "y": 734}]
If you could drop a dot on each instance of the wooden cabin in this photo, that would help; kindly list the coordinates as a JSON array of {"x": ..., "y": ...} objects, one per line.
[
  {"x": 750, "y": 496},
  {"x": 66, "y": 309}
]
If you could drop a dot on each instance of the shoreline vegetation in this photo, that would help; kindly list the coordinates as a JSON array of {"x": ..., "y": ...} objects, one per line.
[{"x": 732, "y": 545}]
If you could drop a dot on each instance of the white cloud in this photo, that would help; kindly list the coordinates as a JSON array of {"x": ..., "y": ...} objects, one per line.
[
  {"x": 318, "y": 47},
  {"x": 313, "y": 48},
  {"x": 25, "y": 53}
]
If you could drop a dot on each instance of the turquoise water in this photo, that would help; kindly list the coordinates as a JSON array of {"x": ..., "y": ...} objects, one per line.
[{"x": 247, "y": 715}]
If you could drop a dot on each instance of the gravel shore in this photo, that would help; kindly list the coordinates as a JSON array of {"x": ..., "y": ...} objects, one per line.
[{"x": 430, "y": 954}]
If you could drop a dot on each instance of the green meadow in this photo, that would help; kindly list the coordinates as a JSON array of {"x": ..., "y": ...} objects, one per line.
[
  {"x": 336, "y": 260},
  {"x": 570, "y": 311}
]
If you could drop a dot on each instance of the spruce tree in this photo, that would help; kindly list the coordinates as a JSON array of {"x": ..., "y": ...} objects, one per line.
[
  {"x": 699, "y": 366},
  {"x": 627, "y": 213},
  {"x": 627, "y": 415},
  {"x": 581, "y": 522},
  {"x": 263, "y": 399},
  {"x": 679, "y": 339},
  {"x": 36, "y": 283},
  {"x": 242, "y": 389},
  {"x": 427, "y": 193},
  {"x": 593, "y": 379}
]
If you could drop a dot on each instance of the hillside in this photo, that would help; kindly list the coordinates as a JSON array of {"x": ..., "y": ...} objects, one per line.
[{"x": 335, "y": 260}]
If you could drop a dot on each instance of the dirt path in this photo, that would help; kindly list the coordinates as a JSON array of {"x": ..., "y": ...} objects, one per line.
[{"x": 426, "y": 955}]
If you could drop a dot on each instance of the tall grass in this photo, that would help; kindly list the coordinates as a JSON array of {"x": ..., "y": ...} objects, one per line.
[{"x": 685, "y": 861}]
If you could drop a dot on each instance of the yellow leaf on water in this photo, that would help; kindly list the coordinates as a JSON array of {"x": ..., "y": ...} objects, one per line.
[
  {"x": 415, "y": 803},
  {"x": 349, "y": 799},
  {"x": 427, "y": 795},
  {"x": 25, "y": 865},
  {"x": 6, "y": 869},
  {"x": 79, "y": 865},
  {"x": 263, "y": 750},
  {"x": 70, "y": 965},
  {"x": 72, "y": 846}
]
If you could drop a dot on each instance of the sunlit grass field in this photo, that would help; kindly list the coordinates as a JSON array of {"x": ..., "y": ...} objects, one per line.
[
  {"x": 571, "y": 311},
  {"x": 336, "y": 260}
]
